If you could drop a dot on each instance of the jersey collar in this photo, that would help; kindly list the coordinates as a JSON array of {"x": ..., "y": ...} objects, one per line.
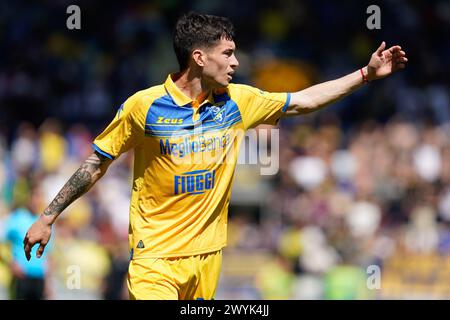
[{"x": 179, "y": 97}]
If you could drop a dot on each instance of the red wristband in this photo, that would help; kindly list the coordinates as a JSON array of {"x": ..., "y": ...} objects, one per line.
[{"x": 363, "y": 76}]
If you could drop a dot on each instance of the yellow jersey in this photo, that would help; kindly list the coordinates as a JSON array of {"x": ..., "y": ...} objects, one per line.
[{"x": 185, "y": 154}]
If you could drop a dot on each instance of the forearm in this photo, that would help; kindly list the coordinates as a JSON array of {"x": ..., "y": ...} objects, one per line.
[
  {"x": 81, "y": 181},
  {"x": 323, "y": 94}
]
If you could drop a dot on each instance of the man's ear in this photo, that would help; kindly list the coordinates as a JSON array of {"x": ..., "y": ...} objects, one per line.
[{"x": 199, "y": 57}]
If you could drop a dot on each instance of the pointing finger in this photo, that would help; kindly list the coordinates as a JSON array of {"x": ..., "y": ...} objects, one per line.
[{"x": 381, "y": 48}]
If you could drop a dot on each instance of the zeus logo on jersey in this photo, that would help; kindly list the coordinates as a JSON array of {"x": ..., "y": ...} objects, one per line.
[
  {"x": 169, "y": 120},
  {"x": 194, "y": 182}
]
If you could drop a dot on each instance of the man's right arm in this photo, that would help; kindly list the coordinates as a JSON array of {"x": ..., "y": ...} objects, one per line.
[
  {"x": 81, "y": 181},
  {"x": 381, "y": 64}
]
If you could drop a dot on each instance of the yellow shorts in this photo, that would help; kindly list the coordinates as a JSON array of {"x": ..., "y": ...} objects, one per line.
[{"x": 183, "y": 278}]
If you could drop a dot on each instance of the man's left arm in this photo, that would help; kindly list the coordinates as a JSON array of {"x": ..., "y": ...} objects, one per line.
[{"x": 381, "y": 64}]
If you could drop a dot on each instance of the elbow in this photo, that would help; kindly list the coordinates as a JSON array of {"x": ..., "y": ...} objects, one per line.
[
  {"x": 310, "y": 106},
  {"x": 305, "y": 103},
  {"x": 306, "y": 108},
  {"x": 97, "y": 174}
]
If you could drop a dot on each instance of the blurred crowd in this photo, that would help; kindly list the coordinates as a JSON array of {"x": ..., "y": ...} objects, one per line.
[
  {"x": 340, "y": 203},
  {"x": 47, "y": 70},
  {"x": 92, "y": 234},
  {"x": 362, "y": 184},
  {"x": 344, "y": 204}
]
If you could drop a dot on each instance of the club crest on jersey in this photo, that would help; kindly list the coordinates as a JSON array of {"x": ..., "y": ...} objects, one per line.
[{"x": 218, "y": 114}]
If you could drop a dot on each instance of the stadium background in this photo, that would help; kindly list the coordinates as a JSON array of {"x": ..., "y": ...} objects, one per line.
[{"x": 364, "y": 182}]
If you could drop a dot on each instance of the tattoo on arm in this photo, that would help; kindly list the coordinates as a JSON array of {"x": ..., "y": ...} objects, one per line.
[{"x": 80, "y": 182}]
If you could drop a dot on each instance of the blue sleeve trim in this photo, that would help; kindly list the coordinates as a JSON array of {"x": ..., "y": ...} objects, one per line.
[
  {"x": 288, "y": 99},
  {"x": 103, "y": 153}
]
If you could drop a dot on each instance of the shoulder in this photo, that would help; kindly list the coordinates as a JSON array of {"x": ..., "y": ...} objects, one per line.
[
  {"x": 246, "y": 93},
  {"x": 242, "y": 89},
  {"x": 147, "y": 96},
  {"x": 137, "y": 105}
]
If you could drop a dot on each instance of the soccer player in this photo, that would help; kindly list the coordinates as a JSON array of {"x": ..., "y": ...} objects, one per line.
[{"x": 178, "y": 210}]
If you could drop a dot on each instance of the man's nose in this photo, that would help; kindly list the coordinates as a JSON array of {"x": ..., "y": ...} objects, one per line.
[{"x": 234, "y": 62}]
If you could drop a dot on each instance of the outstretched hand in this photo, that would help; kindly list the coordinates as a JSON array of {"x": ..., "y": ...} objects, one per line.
[{"x": 385, "y": 62}]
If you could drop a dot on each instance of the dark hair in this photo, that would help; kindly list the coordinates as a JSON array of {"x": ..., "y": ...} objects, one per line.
[{"x": 198, "y": 30}]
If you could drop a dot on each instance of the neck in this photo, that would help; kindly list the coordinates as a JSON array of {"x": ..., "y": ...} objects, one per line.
[{"x": 191, "y": 85}]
